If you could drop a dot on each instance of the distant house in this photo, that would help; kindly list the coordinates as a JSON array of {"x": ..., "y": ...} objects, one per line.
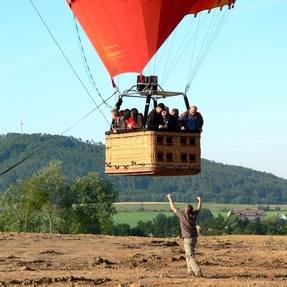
[
  {"x": 281, "y": 216},
  {"x": 247, "y": 213}
]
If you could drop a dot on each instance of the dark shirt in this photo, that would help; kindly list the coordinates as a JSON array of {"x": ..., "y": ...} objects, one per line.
[
  {"x": 187, "y": 225},
  {"x": 192, "y": 122},
  {"x": 172, "y": 123},
  {"x": 154, "y": 119}
]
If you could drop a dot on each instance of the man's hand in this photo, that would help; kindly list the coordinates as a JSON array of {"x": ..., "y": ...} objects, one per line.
[
  {"x": 171, "y": 204},
  {"x": 199, "y": 202}
]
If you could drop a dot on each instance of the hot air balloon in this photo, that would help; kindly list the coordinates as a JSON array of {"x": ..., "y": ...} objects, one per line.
[{"x": 126, "y": 35}]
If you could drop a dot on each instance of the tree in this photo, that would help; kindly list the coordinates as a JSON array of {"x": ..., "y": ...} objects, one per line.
[
  {"x": 123, "y": 229},
  {"x": 19, "y": 206},
  {"x": 47, "y": 203},
  {"x": 205, "y": 214},
  {"x": 216, "y": 183},
  {"x": 51, "y": 188},
  {"x": 92, "y": 205}
]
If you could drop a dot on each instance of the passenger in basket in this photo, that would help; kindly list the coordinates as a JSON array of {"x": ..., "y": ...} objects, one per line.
[
  {"x": 139, "y": 124},
  {"x": 127, "y": 115},
  {"x": 155, "y": 120},
  {"x": 136, "y": 120},
  {"x": 118, "y": 122},
  {"x": 131, "y": 122},
  {"x": 175, "y": 113},
  {"x": 170, "y": 122},
  {"x": 191, "y": 120}
]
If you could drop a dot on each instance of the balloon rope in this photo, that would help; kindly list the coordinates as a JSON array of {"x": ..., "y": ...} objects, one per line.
[
  {"x": 86, "y": 64},
  {"x": 193, "y": 36},
  {"x": 201, "y": 49},
  {"x": 211, "y": 39},
  {"x": 66, "y": 58},
  {"x": 171, "y": 45}
]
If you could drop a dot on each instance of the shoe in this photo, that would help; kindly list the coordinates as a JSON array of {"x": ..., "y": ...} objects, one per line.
[{"x": 199, "y": 274}]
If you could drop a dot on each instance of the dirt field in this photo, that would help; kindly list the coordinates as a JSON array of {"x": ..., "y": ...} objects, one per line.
[{"x": 87, "y": 260}]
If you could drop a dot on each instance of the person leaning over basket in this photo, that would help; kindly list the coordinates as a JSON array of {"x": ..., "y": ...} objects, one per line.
[
  {"x": 118, "y": 123},
  {"x": 131, "y": 121},
  {"x": 170, "y": 122},
  {"x": 191, "y": 120},
  {"x": 187, "y": 219},
  {"x": 155, "y": 120}
]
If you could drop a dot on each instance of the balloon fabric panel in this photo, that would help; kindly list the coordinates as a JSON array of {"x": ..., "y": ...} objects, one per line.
[{"x": 127, "y": 33}]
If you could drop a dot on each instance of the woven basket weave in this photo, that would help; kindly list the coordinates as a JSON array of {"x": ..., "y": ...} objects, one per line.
[{"x": 153, "y": 153}]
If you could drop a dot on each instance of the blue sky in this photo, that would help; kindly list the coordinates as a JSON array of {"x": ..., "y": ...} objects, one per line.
[{"x": 240, "y": 88}]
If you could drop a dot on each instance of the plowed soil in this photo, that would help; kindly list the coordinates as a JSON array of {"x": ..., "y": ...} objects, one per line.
[{"x": 89, "y": 260}]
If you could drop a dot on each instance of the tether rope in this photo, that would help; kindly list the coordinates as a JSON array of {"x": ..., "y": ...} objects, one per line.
[
  {"x": 66, "y": 58},
  {"x": 50, "y": 141}
]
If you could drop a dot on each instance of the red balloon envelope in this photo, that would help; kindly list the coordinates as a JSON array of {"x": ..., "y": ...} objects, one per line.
[{"x": 127, "y": 33}]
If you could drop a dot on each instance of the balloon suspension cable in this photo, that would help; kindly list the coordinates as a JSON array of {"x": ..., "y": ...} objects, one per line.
[
  {"x": 86, "y": 64},
  {"x": 66, "y": 58},
  {"x": 213, "y": 30},
  {"x": 189, "y": 37}
]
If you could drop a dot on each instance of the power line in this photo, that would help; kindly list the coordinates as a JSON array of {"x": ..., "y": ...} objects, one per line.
[
  {"x": 74, "y": 124},
  {"x": 42, "y": 147}
]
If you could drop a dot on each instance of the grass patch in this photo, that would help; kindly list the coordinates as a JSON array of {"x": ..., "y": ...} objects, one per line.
[
  {"x": 133, "y": 217},
  {"x": 132, "y": 212}
]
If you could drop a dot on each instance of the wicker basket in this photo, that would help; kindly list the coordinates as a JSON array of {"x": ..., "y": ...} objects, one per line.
[{"x": 153, "y": 153}]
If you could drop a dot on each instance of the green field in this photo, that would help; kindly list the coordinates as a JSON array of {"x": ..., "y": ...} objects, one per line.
[
  {"x": 133, "y": 217},
  {"x": 132, "y": 212}
]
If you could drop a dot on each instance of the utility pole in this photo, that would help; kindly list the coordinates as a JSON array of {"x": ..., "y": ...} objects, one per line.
[{"x": 21, "y": 126}]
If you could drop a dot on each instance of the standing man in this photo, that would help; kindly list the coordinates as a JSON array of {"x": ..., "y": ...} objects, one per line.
[{"x": 187, "y": 219}]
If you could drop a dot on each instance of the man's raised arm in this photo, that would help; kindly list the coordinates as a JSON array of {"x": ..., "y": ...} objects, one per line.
[
  {"x": 199, "y": 202},
  {"x": 171, "y": 203}
]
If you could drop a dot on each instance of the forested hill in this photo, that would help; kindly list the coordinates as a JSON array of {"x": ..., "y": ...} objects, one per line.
[{"x": 216, "y": 183}]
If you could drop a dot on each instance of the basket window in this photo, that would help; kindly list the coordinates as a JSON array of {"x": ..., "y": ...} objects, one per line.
[
  {"x": 169, "y": 141},
  {"x": 159, "y": 140},
  {"x": 183, "y": 157},
  {"x": 169, "y": 156},
  {"x": 192, "y": 141},
  {"x": 192, "y": 158},
  {"x": 160, "y": 156},
  {"x": 183, "y": 141}
]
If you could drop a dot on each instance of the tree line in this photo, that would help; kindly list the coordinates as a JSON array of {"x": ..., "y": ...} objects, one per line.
[
  {"x": 48, "y": 202},
  {"x": 168, "y": 226},
  {"x": 217, "y": 182}
]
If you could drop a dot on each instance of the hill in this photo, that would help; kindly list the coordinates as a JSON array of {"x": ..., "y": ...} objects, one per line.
[{"x": 216, "y": 183}]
